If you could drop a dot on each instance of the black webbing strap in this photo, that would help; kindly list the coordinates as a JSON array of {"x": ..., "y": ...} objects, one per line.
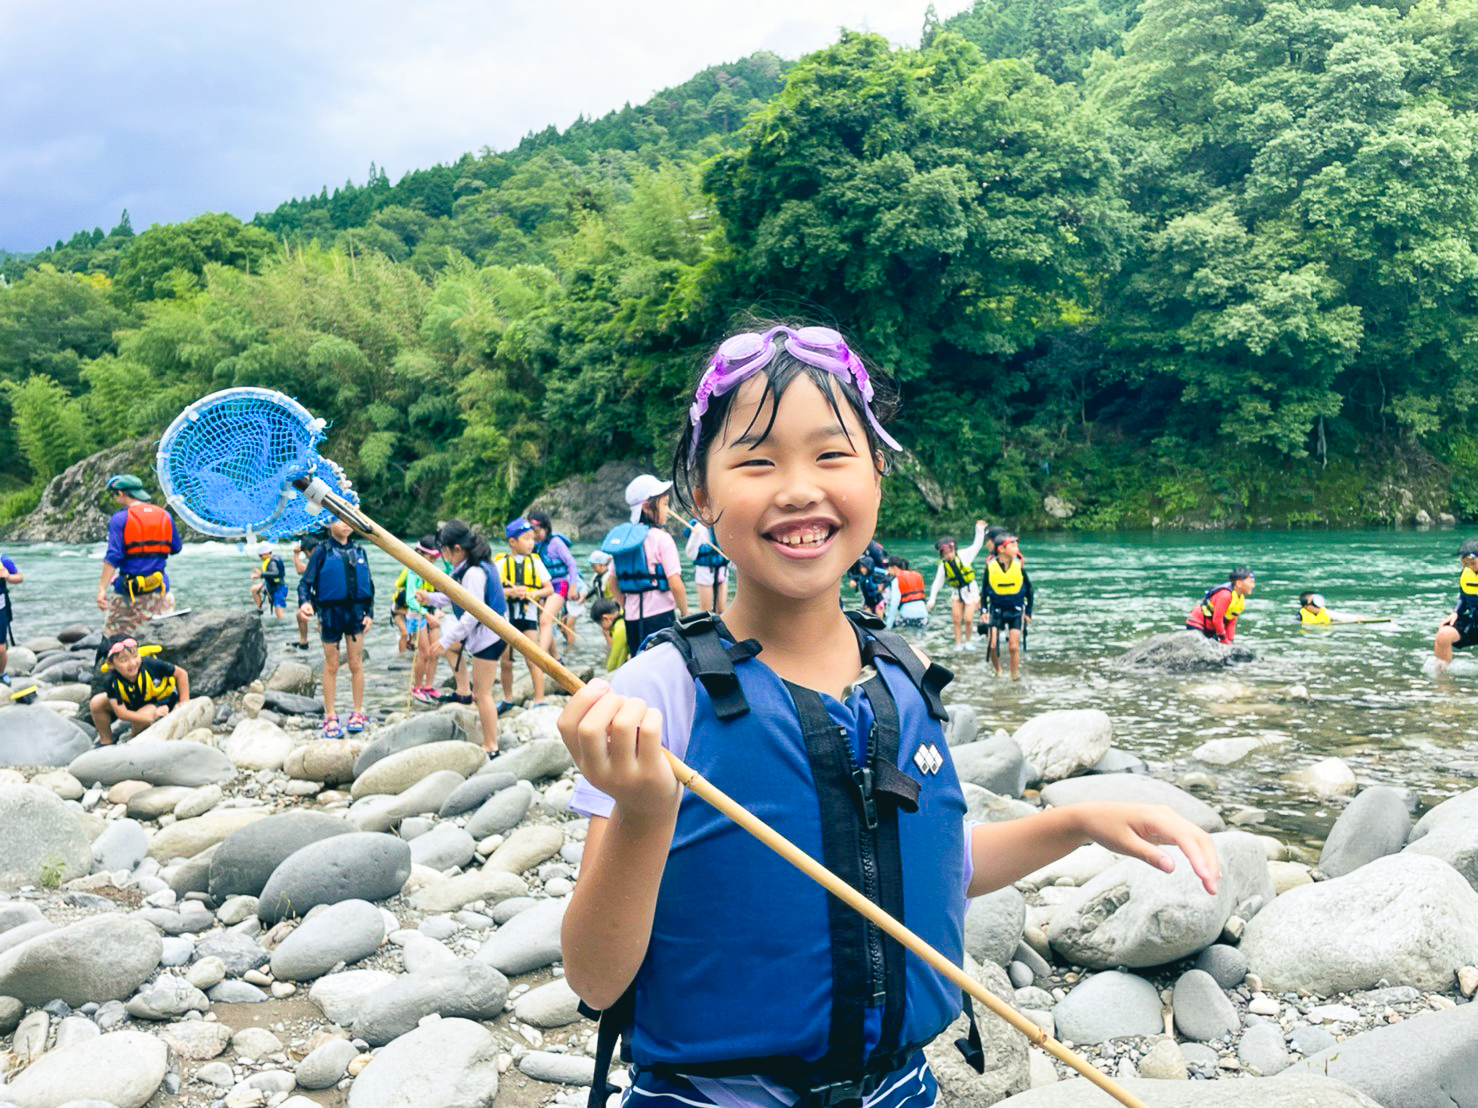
[
  {"x": 856, "y": 976},
  {"x": 710, "y": 658},
  {"x": 970, "y": 1045},
  {"x": 876, "y": 641},
  {"x": 882, "y": 758},
  {"x": 614, "y": 1022}
]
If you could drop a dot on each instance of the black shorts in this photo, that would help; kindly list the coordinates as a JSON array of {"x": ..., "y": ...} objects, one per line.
[
  {"x": 6, "y": 638},
  {"x": 335, "y": 623},
  {"x": 1466, "y": 638},
  {"x": 1007, "y": 620},
  {"x": 491, "y": 653}
]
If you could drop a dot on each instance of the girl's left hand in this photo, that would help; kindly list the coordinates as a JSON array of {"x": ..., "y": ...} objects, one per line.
[{"x": 1137, "y": 830}]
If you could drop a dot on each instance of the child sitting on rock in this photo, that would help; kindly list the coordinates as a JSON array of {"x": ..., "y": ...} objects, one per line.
[{"x": 142, "y": 689}]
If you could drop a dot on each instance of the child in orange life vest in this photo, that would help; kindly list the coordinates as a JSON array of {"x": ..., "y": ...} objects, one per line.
[
  {"x": 1009, "y": 595},
  {"x": 1216, "y": 616},
  {"x": 907, "y": 606},
  {"x": 785, "y": 452}
]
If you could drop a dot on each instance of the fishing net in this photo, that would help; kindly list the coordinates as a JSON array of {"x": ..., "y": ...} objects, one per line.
[
  {"x": 228, "y": 461},
  {"x": 298, "y": 516}
]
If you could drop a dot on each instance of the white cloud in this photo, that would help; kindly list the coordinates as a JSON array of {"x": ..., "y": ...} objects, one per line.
[{"x": 174, "y": 111}]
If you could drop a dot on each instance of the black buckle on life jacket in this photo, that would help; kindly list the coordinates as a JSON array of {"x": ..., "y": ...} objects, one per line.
[
  {"x": 710, "y": 659},
  {"x": 838, "y": 1094}
]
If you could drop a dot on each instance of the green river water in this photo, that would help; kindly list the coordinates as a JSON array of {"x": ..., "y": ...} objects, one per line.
[{"x": 1374, "y": 700}]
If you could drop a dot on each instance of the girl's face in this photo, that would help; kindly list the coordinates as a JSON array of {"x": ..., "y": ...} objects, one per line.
[
  {"x": 659, "y": 510},
  {"x": 454, "y": 554},
  {"x": 795, "y": 510},
  {"x": 340, "y": 531}
]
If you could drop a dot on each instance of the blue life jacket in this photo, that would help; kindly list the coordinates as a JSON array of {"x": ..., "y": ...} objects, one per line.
[
  {"x": 492, "y": 593},
  {"x": 558, "y": 571},
  {"x": 626, "y": 544},
  {"x": 710, "y": 554},
  {"x": 344, "y": 577},
  {"x": 803, "y": 988}
]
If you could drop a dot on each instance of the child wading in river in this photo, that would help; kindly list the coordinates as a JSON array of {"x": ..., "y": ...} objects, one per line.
[{"x": 752, "y": 988}]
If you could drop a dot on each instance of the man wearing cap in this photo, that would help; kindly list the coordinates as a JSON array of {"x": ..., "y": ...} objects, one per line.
[
  {"x": 141, "y": 690},
  {"x": 141, "y": 537},
  {"x": 649, "y": 584}
]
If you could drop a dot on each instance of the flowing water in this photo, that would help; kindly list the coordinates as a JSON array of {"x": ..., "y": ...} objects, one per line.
[{"x": 1374, "y": 700}]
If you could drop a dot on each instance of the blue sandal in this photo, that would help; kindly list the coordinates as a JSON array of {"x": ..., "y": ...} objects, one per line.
[{"x": 331, "y": 728}]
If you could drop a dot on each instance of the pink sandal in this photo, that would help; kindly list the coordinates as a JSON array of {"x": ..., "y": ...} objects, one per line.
[
  {"x": 358, "y": 722},
  {"x": 331, "y": 728}
]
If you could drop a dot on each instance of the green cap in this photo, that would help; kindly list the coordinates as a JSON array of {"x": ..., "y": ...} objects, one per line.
[{"x": 127, "y": 482}]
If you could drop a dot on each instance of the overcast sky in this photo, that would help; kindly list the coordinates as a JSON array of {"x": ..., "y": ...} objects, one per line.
[{"x": 174, "y": 109}]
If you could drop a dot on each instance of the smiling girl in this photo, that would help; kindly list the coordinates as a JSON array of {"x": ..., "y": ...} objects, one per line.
[{"x": 745, "y": 985}]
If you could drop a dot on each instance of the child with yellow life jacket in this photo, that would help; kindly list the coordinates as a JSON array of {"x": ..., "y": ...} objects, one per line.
[
  {"x": 1009, "y": 596},
  {"x": 1216, "y": 616},
  {"x": 1460, "y": 629},
  {"x": 269, "y": 582},
  {"x": 142, "y": 689},
  {"x": 526, "y": 583},
  {"x": 956, "y": 570}
]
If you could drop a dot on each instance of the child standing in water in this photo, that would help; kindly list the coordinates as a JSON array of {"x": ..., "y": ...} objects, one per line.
[
  {"x": 9, "y": 575},
  {"x": 755, "y": 990},
  {"x": 956, "y": 569}
]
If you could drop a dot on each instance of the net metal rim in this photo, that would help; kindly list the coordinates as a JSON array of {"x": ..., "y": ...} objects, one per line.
[{"x": 312, "y": 428}]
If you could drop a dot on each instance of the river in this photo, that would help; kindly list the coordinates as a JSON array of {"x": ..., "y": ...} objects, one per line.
[{"x": 1374, "y": 701}]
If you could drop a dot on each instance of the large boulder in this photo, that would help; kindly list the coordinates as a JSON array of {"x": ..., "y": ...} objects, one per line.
[
  {"x": 72, "y": 509},
  {"x": 188, "y": 837},
  {"x": 1134, "y": 915},
  {"x": 220, "y": 650},
  {"x": 1007, "y": 1068},
  {"x": 1407, "y": 918},
  {"x": 1181, "y": 652},
  {"x": 1133, "y": 789},
  {"x": 994, "y": 764},
  {"x": 1429, "y": 1060},
  {"x": 363, "y": 865},
  {"x": 40, "y": 839},
  {"x": 588, "y": 506},
  {"x": 31, "y": 735},
  {"x": 1450, "y": 832},
  {"x": 157, "y": 763},
  {"x": 1375, "y": 824},
  {"x": 1065, "y": 742},
  {"x": 96, "y": 959},
  {"x": 246, "y": 858}
]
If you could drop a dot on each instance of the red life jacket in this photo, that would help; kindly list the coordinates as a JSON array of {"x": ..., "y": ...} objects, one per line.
[
  {"x": 911, "y": 586},
  {"x": 148, "y": 532}
]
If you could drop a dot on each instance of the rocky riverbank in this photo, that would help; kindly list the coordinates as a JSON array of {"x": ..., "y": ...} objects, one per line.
[{"x": 229, "y": 911}]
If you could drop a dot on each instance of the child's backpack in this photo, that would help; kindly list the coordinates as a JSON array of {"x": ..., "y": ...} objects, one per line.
[{"x": 626, "y": 544}]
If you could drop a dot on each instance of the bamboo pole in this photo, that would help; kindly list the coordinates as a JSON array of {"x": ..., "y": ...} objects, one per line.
[{"x": 712, "y": 795}]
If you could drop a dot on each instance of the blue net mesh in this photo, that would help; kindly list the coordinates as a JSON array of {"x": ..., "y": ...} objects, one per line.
[
  {"x": 227, "y": 463},
  {"x": 297, "y": 517}
]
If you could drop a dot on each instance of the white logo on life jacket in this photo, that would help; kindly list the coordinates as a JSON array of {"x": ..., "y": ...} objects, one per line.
[{"x": 928, "y": 759}]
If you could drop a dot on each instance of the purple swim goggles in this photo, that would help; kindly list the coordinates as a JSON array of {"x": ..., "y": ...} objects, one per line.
[{"x": 742, "y": 356}]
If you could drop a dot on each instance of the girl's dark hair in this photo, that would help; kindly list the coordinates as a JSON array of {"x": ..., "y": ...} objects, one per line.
[
  {"x": 1305, "y": 597},
  {"x": 456, "y": 533},
  {"x": 783, "y": 371},
  {"x": 901, "y": 563},
  {"x": 540, "y": 519},
  {"x": 602, "y": 607}
]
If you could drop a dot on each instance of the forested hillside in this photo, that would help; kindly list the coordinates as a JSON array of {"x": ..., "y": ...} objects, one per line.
[{"x": 1190, "y": 261}]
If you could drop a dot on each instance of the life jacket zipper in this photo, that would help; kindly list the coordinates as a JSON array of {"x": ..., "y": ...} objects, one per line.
[{"x": 862, "y": 777}]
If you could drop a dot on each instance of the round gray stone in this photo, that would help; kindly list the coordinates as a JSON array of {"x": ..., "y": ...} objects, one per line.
[
  {"x": 100, "y": 958},
  {"x": 1109, "y": 1006},
  {"x": 1226, "y": 964},
  {"x": 465, "y": 1073},
  {"x": 1202, "y": 1010},
  {"x": 1262, "y": 1049},
  {"x": 1375, "y": 824},
  {"x": 343, "y": 932},
  {"x": 471, "y": 793},
  {"x": 122, "y": 846},
  {"x": 433, "y": 727},
  {"x": 358, "y": 866},
  {"x": 31, "y": 735},
  {"x": 325, "y": 1065},
  {"x": 123, "y": 1069},
  {"x": 237, "y": 952},
  {"x": 444, "y": 846},
  {"x": 469, "y": 990},
  {"x": 500, "y": 813},
  {"x": 994, "y": 924},
  {"x": 246, "y": 858},
  {"x": 40, "y": 838}
]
